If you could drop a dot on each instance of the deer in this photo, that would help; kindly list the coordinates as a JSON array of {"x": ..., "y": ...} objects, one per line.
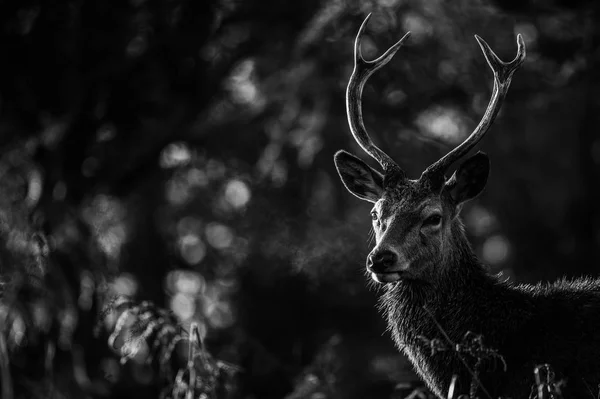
[{"x": 433, "y": 286}]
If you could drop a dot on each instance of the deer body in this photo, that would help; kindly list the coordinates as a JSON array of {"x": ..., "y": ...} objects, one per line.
[
  {"x": 437, "y": 293},
  {"x": 556, "y": 324}
]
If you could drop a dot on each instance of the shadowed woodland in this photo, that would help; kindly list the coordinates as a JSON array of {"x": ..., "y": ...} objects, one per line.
[{"x": 166, "y": 167}]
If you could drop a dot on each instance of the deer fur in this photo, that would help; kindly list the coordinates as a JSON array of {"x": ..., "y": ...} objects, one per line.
[
  {"x": 436, "y": 291},
  {"x": 448, "y": 292},
  {"x": 528, "y": 325}
]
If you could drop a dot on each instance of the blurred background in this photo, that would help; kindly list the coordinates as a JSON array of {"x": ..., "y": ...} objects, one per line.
[{"x": 181, "y": 152}]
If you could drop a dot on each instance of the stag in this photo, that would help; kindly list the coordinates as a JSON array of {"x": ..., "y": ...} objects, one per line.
[{"x": 434, "y": 287}]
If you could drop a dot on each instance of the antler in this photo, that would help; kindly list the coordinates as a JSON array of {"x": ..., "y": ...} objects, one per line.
[
  {"x": 362, "y": 70},
  {"x": 503, "y": 72}
]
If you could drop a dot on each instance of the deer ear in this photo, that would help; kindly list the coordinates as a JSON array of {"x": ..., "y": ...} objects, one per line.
[
  {"x": 358, "y": 177},
  {"x": 469, "y": 179}
]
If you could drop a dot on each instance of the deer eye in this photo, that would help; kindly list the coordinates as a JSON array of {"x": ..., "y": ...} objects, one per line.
[{"x": 433, "y": 220}]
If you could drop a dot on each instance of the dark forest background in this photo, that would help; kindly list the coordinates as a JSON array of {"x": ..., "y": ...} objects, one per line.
[{"x": 181, "y": 152}]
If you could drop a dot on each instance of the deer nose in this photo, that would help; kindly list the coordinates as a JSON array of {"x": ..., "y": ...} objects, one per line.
[{"x": 381, "y": 261}]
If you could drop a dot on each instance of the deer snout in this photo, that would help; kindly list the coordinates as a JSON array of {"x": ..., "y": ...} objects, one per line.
[
  {"x": 383, "y": 265},
  {"x": 382, "y": 261}
]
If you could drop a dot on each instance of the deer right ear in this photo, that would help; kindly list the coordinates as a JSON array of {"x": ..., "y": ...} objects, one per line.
[
  {"x": 358, "y": 177},
  {"x": 469, "y": 179}
]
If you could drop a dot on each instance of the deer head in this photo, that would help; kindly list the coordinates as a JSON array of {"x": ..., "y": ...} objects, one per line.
[{"x": 416, "y": 221}]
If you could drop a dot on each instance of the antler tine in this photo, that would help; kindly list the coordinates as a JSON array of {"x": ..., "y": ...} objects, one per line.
[
  {"x": 503, "y": 72},
  {"x": 362, "y": 70}
]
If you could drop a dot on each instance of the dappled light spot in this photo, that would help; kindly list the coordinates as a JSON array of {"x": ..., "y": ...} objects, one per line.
[
  {"x": 188, "y": 225},
  {"x": 215, "y": 170},
  {"x": 228, "y": 285},
  {"x": 559, "y": 26},
  {"x": 395, "y": 97},
  {"x": 106, "y": 215},
  {"x": 54, "y": 131},
  {"x": 192, "y": 248},
  {"x": 237, "y": 193},
  {"x": 279, "y": 173},
  {"x": 125, "y": 285},
  {"x": 226, "y": 268},
  {"x": 308, "y": 149},
  {"x": 183, "y": 306},
  {"x": 220, "y": 314},
  {"x": 106, "y": 132},
  {"x": 480, "y": 221},
  {"x": 268, "y": 160},
  {"x": 388, "y": 3},
  {"x": 242, "y": 86},
  {"x": 27, "y": 18},
  {"x": 175, "y": 154},
  {"x": 369, "y": 48},
  {"x": 447, "y": 71},
  {"x": 68, "y": 322},
  {"x": 234, "y": 35},
  {"x": 16, "y": 336},
  {"x": 442, "y": 123},
  {"x": 34, "y": 189},
  {"x": 197, "y": 177},
  {"x": 419, "y": 27},
  {"x": 41, "y": 315},
  {"x": 210, "y": 52},
  {"x": 186, "y": 282},
  {"x": 178, "y": 190},
  {"x": 388, "y": 365},
  {"x": 238, "y": 250},
  {"x": 245, "y": 92},
  {"x": 529, "y": 32},
  {"x": 112, "y": 239},
  {"x": 571, "y": 68},
  {"x": 87, "y": 288},
  {"x": 216, "y": 297},
  {"x": 218, "y": 235},
  {"x": 496, "y": 249},
  {"x": 380, "y": 23},
  {"x": 137, "y": 46}
]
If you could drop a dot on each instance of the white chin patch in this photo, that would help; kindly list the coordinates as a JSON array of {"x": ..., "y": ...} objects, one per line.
[{"x": 383, "y": 278}]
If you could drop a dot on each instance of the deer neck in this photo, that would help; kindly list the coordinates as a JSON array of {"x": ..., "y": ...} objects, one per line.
[{"x": 464, "y": 298}]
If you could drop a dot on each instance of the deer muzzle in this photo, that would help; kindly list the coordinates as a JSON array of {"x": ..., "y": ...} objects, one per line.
[{"x": 385, "y": 265}]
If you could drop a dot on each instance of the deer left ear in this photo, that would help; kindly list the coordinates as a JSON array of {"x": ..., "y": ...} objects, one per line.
[
  {"x": 469, "y": 179},
  {"x": 358, "y": 177}
]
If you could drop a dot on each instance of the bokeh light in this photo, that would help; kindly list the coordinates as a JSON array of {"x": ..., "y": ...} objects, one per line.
[
  {"x": 443, "y": 123},
  {"x": 480, "y": 220},
  {"x": 237, "y": 193},
  {"x": 496, "y": 250},
  {"x": 218, "y": 235},
  {"x": 107, "y": 217},
  {"x": 175, "y": 154},
  {"x": 186, "y": 282},
  {"x": 125, "y": 285},
  {"x": 183, "y": 306},
  {"x": 192, "y": 248}
]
